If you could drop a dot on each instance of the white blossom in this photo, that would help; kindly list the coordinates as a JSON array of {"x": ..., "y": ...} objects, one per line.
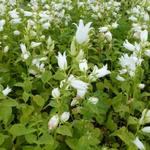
[
  {"x": 93, "y": 100},
  {"x": 129, "y": 46},
  {"x": 119, "y": 78},
  {"x": 139, "y": 144},
  {"x": 147, "y": 52},
  {"x": 53, "y": 122},
  {"x": 82, "y": 32},
  {"x": 98, "y": 73},
  {"x": 6, "y": 91},
  {"x": 65, "y": 116},
  {"x": 56, "y": 93},
  {"x": 103, "y": 29},
  {"x": 108, "y": 36},
  {"x": 6, "y": 49},
  {"x": 16, "y": 32},
  {"x": 130, "y": 63},
  {"x": 146, "y": 129},
  {"x": 35, "y": 44},
  {"x": 83, "y": 65},
  {"x": 141, "y": 86},
  {"x": 62, "y": 61},
  {"x": 79, "y": 85},
  {"x": 2, "y": 23},
  {"x": 25, "y": 54},
  {"x": 115, "y": 25},
  {"x": 75, "y": 101},
  {"x": 144, "y": 36},
  {"x": 27, "y": 13},
  {"x": 145, "y": 118}
]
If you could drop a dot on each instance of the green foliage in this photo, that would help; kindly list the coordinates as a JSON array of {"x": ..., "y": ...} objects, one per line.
[{"x": 112, "y": 122}]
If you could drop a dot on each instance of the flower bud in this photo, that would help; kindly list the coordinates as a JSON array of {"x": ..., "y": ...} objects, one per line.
[
  {"x": 144, "y": 36},
  {"x": 146, "y": 129},
  {"x": 6, "y": 91},
  {"x": 139, "y": 144},
  {"x": 53, "y": 122},
  {"x": 65, "y": 116},
  {"x": 93, "y": 100},
  {"x": 83, "y": 65},
  {"x": 141, "y": 86},
  {"x": 55, "y": 93}
]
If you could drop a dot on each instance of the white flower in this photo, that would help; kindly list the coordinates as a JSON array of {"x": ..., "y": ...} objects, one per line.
[
  {"x": 14, "y": 14},
  {"x": 139, "y": 144},
  {"x": 16, "y": 32},
  {"x": 25, "y": 54},
  {"x": 114, "y": 25},
  {"x": 98, "y": 73},
  {"x": 65, "y": 116},
  {"x": 56, "y": 93},
  {"x": 62, "y": 62},
  {"x": 2, "y": 23},
  {"x": 79, "y": 85},
  {"x": 147, "y": 53},
  {"x": 6, "y": 49},
  {"x": 35, "y": 44},
  {"x": 129, "y": 46},
  {"x": 146, "y": 16},
  {"x": 119, "y": 78},
  {"x": 93, "y": 100},
  {"x": 46, "y": 25},
  {"x": 6, "y": 91},
  {"x": 144, "y": 36},
  {"x": 103, "y": 29},
  {"x": 27, "y": 13},
  {"x": 130, "y": 63},
  {"x": 83, "y": 65},
  {"x": 74, "y": 101},
  {"x": 37, "y": 62},
  {"x": 145, "y": 118},
  {"x": 12, "y": 2},
  {"x": 53, "y": 122},
  {"x": 82, "y": 32},
  {"x": 146, "y": 129},
  {"x": 132, "y": 18},
  {"x": 108, "y": 36},
  {"x": 141, "y": 86}
]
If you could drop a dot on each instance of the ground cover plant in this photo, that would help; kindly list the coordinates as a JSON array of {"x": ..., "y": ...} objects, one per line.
[{"x": 74, "y": 75}]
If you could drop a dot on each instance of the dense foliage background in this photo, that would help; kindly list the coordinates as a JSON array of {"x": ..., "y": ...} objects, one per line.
[{"x": 74, "y": 75}]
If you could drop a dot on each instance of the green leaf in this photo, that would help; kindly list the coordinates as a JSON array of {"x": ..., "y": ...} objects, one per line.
[
  {"x": 64, "y": 130},
  {"x": 31, "y": 138},
  {"x": 20, "y": 129},
  {"x": 9, "y": 103},
  {"x": 2, "y": 138},
  {"x": 5, "y": 113},
  {"x": 132, "y": 120},
  {"x": 46, "y": 76},
  {"x": 39, "y": 100},
  {"x": 25, "y": 96},
  {"x": 27, "y": 86},
  {"x": 46, "y": 139},
  {"x": 59, "y": 75},
  {"x": 126, "y": 136}
]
